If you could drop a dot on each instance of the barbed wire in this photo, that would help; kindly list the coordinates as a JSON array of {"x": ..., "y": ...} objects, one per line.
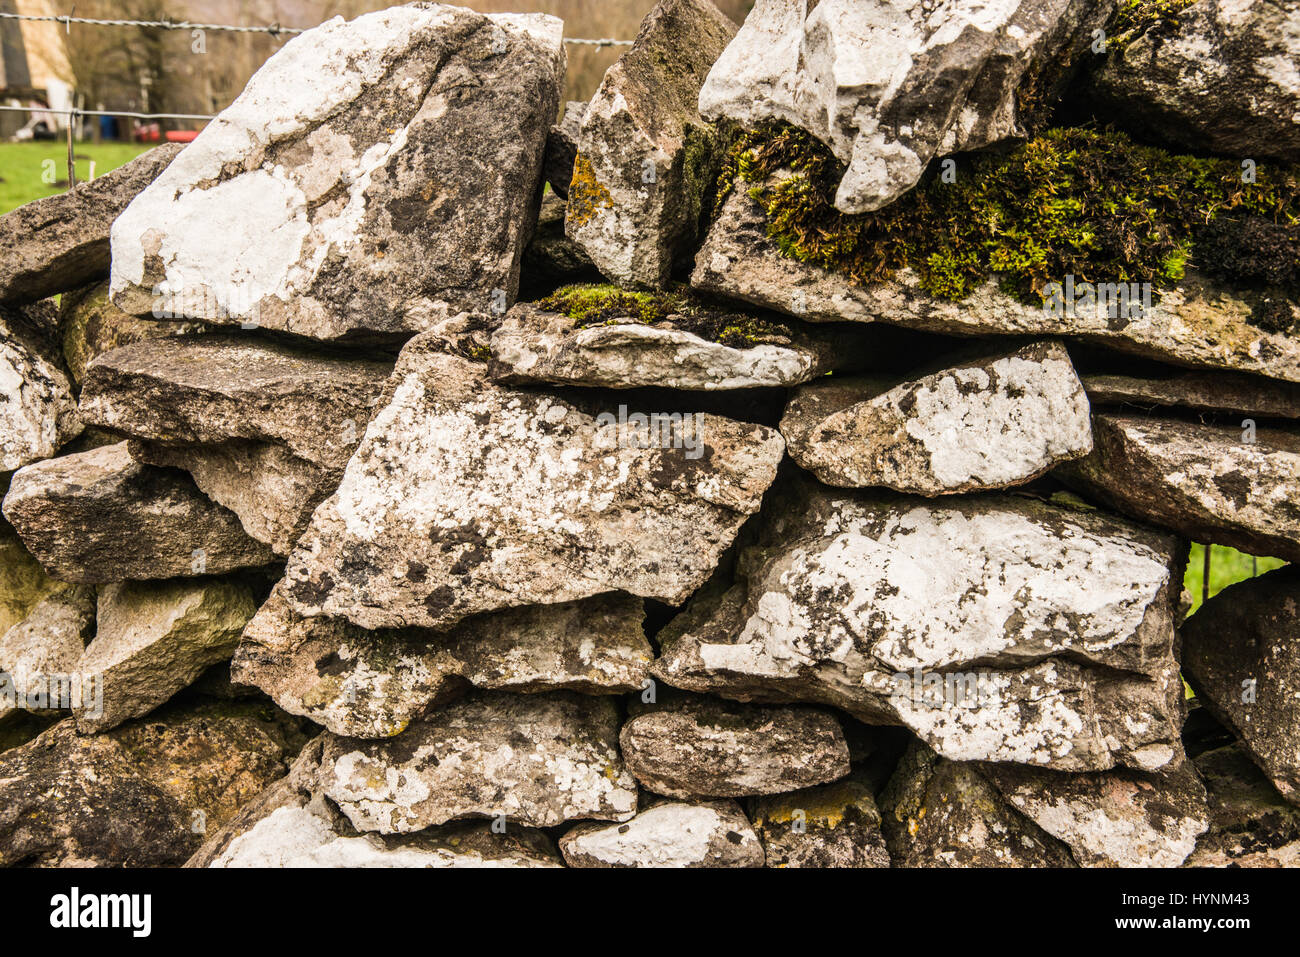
[
  {"x": 273, "y": 29},
  {"x": 137, "y": 116}
]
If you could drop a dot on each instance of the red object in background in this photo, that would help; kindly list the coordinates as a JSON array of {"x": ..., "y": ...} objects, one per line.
[
  {"x": 181, "y": 136},
  {"x": 147, "y": 133}
]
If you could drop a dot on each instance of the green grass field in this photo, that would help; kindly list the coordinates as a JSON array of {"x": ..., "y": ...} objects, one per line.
[
  {"x": 1227, "y": 567},
  {"x": 24, "y": 169}
]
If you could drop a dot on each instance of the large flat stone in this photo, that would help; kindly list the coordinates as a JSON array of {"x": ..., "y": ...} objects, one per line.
[
  {"x": 38, "y": 412},
  {"x": 374, "y": 176},
  {"x": 464, "y": 497},
  {"x": 670, "y": 834}
]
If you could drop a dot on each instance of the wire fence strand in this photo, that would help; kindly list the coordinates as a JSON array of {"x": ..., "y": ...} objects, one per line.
[{"x": 273, "y": 29}]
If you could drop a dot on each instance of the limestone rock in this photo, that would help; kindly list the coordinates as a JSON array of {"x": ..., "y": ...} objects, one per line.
[
  {"x": 23, "y": 582},
  {"x": 562, "y": 147},
  {"x": 39, "y": 655},
  {"x": 888, "y": 86},
  {"x": 552, "y": 257},
  {"x": 464, "y": 498},
  {"x": 714, "y": 748},
  {"x": 264, "y": 429},
  {"x": 1214, "y": 77},
  {"x": 373, "y": 684},
  {"x": 833, "y": 825},
  {"x": 1204, "y": 391},
  {"x": 38, "y": 413},
  {"x": 994, "y": 628},
  {"x": 374, "y": 176},
  {"x": 1198, "y": 324},
  {"x": 539, "y": 760},
  {"x": 671, "y": 834},
  {"x": 1250, "y": 825},
  {"x": 61, "y": 243},
  {"x": 940, "y": 813},
  {"x": 1241, "y": 653},
  {"x": 645, "y": 159},
  {"x": 289, "y": 825},
  {"x": 90, "y": 325},
  {"x": 100, "y": 516},
  {"x": 1120, "y": 818},
  {"x": 533, "y": 345},
  {"x": 985, "y": 423},
  {"x": 141, "y": 795},
  {"x": 1209, "y": 483},
  {"x": 154, "y": 639}
]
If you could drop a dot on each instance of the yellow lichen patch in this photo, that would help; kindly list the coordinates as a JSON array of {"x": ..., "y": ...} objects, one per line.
[{"x": 587, "y": 196}]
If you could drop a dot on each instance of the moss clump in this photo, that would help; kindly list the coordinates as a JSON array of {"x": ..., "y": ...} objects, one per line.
[
  {"x": 605, "y": 305},
  {"x": 1076, "y": 202},
  {"x": 1135, "y": 18}
]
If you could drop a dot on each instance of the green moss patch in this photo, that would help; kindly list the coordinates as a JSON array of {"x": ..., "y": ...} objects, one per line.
[
  {"x": 1135, "y": 18},
  {"x": 1090, "y": 204},
  {"x": 606, "y": 305}
]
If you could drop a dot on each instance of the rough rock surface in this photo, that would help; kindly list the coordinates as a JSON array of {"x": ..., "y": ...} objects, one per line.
[
  {"x": 940, "y": 813},
  {"x": 464, "y": 498},
  {"x": 40, "y": 653},
  {"x": 374, "y": 176},
  {"x": 264, "y": 429},
  {"x": 994, "y": 628},
  {"x": 23, "y": 582},
  {"x": 1117, "y": 819},
  {"x": 889, "y": 86},
  {"x": 290, "y": 825},
  {"x": 100, "y": 516},
  {"x": 671, "y": 834},
  {"x": 61, "y": 243},
  {"x": 645, "y": 158},
  {"x": 1209, "y": 483},
  {"x": 1204, "y": 391},
  {"x": 552, "y": 257},
  {"x": 1250, "y": 825},
  {"x": 372, "y": 684},
  {"x": 537, "y": 760},
  {"x": 1221, "y": 77},
  {"x": 985, "y": 423},
  {"x": 90, "y": 325},
  {"x": 833, "y": 825},
  {"x": 38, "y": 413},
  {"x": 711, "y": 748},
  {"x": 1241, "y": 653},
  {"x": 537, "y": 346},
  {"x": 141, "y": 795},
  {"x": 1198, "y": 324},
  {"x": 562, "y": 148},
  {"x": 155, "y": 638}
]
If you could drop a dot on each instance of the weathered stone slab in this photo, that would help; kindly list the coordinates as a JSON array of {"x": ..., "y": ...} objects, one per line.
[
  {"x": 985, "y": 423},
  {"x": 708, "y": 748},
  {"x": 645, "y": 159},
  {"x": 562, "y": 148},
  {"x": 372, "y": 684},
  {"x": 995, "y": 628},
  {"x": 464, "y": 498},
  {"x": 90, "y": 325},
  {"x": 264, "y": 429},
  {"x": 38, "y": 413},
  {"x": 1221, "y": 484},
  {"x": 61, "y": 243},
  {"x": 1241, "y": 653},
  {"x": 39, "y": 655},
  {"x": 141, "y": 795},
  {"x": 534, "y": 345},
  {"x": 1212, "y": 76},
  {"x": 1198, "y": 324},
  {"x": 537, "y": 760},
  {"x": 671, "y": 834},
  {"x": 100, "y": 516},
  {"x": 833, "y": 825},
  {"x": 889, "y": 86},
  {"x": 1204, "y": 391},
  {"x": 23, "y": 582},
  {"x": 154, "y": 639},
  {"x": 1250, "y": 825},
  {"x": 374, "y": 176}
]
